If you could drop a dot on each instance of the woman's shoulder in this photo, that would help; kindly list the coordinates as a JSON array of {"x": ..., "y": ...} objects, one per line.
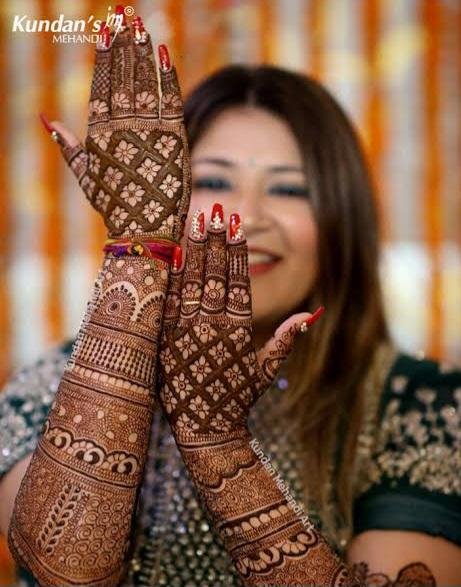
[
  {"x": 415, "y": 460},
  {"x": 415, "y": 381},
  {"x": 418, "y": 435},
  {"x": 24, "y": 403}
]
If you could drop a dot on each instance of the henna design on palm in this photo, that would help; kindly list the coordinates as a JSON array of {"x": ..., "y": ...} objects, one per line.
[{"x": 211, "y": 375}]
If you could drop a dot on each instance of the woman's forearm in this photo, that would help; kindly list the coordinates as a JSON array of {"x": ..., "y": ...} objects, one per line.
[
  {"x": 73, "y": 513},
  {"x": 211, "y": 376},
  {"x": 271, "y": 541},
  {"x": 268, "y": 536}
]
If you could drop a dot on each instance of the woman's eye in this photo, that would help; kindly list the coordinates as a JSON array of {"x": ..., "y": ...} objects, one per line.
[
  {"x": 299, "y": 191},
  {"x": 211, "y": 183}
]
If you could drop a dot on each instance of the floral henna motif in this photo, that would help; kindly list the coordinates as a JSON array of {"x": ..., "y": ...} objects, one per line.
[
  {"x": 81, "y": 487},
  {"x": 211, "y": 375},
  {"x": 132, "y": 168}
]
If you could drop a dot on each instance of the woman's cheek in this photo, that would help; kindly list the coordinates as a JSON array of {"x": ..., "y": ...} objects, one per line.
[
  {"x": 302, "y": 235},
  {"x": 297, "y": 223}
]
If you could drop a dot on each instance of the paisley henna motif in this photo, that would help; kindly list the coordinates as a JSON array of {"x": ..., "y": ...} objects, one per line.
[
  {"x": 73, "y": 513},
  {"x": 211, "y": 375},
  {"x": 412, "y": 575}
]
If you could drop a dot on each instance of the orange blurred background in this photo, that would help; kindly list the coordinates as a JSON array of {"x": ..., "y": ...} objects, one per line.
[{"x": 395, "y": 65}]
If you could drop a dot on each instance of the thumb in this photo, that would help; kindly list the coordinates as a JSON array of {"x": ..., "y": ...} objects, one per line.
[
  {"x": 276, "y": 350},
  {"x": 71, "y": 148}
]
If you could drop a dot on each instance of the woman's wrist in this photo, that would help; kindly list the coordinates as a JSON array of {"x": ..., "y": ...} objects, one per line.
[{"x": 141, "y": 246}]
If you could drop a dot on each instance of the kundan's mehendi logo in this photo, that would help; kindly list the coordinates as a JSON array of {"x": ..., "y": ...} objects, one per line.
[{"x": 68, "y": 30}]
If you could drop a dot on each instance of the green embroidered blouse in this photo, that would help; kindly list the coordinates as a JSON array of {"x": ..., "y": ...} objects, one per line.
[{"x": 407, "y": 475}]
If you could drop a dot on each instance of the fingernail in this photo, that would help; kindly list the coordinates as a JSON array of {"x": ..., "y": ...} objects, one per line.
[
  {"x": 106, "y": 37},
  {"x": 138, "y": 24},
  {"x": 120, "y": 13},
  {"x": 197, "y": 230},
  {"x": 235, "y": 227},
  {"x": 46, "y": 123},
  {"x": 140, "y": 34},
  {"x": 177, "y": 258},
  {"x": 49, "y": 129},
  {"x": 315, "y": 316},
  {"x": 217, "y": 217},
  {"x": 104, "y": 31},
  {"x": 164, "y": 58}
]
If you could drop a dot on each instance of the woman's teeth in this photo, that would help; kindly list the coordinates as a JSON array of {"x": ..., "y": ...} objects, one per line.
[{"x": 257, "y": 258}]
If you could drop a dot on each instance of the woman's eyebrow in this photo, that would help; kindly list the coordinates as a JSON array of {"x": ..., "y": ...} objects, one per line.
[
  {"x": 215, "y": 161},
  {"x": 284, "y": 168},
  {"x": 228, "y": 164}
]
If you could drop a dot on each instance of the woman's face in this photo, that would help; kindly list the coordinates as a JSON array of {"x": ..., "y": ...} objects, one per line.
[{"x": 249, "y": 161}]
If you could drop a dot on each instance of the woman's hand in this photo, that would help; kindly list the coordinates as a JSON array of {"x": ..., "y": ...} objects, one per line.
[
  {"x": 211, "y": 371},
  {"x": 134, "y": 167}
]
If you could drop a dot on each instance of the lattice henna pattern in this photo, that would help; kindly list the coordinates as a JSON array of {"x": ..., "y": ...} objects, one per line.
[
  {"x": 132, "y": 166},
  {"x": 211, "y": 375},
  {"x": 82, "y": 484}
]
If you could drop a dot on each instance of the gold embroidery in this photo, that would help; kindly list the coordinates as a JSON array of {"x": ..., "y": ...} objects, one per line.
[{"x": 422, "y": 444}]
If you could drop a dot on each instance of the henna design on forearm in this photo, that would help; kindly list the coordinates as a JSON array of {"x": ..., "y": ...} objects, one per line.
[
  {"x": 211, "y": 376},
  {"x": 81, "y": 485},
  {"x": 73, "y": 513}
]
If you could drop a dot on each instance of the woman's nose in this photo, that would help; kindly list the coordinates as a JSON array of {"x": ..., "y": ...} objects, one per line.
[{"x": 253, "y": 212}]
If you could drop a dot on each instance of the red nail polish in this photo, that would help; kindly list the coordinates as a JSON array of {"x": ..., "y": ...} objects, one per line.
[
  {"x": 315, "y": 316},
  {"x": 120, "y": 11},
  {"x": 217, "y": 217},
  {"x": 177, "y": 258},
  {"x": 46, "y": 123},
  {"x": 106, "y": 37},
  {"x": 235, "y": 227},
  {"x": 201, "y": 222},
  {"x": 120, "y": 17},
  {"x": 51, "y": 130},
  {"x": 164, "y": 58},
  {"x": 140, "y": 34},
  {"x": 138, "y": 24},
  {"x": 104, "y": 31}
]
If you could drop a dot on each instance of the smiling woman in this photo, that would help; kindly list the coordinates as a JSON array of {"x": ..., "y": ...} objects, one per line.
[
  {"x": 256, "y": 177},
  {"x": 350, "y": 430}
]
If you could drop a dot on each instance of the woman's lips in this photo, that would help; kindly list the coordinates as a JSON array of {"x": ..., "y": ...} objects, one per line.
[{"x": 261, "y": 261}]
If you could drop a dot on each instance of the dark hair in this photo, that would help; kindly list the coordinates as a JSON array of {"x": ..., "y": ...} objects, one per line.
[{"x": 329, "y": 367}]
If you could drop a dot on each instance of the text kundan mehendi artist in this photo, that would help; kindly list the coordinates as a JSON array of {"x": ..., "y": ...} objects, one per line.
[{"x": 365, "y": 437}]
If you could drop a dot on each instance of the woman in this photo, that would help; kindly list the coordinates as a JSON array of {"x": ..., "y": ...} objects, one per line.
[{"x": 354, "y": 427}]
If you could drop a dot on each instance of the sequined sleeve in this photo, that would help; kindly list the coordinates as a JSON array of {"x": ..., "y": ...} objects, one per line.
[
  {"x": 24, "y": 404},
  {"x": 413, "y": 479}
]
